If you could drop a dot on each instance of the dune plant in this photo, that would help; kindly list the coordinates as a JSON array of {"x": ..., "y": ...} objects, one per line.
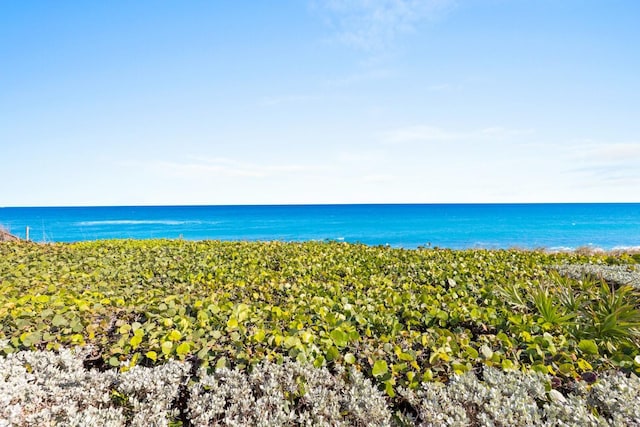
[
  {"x": 602, "y": 318},
  {"x": 549, "y": 308},
  {"x": 401, "y": 317},
  {"x": 613, "y": 315},
  {"x": 56, "y": 388},
  {"x": 514, "y": 295}
]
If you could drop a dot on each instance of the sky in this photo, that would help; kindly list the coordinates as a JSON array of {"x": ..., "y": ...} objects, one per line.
[{"x": 319, "y": 101}]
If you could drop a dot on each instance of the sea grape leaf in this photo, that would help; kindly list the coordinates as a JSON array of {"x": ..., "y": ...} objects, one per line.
[
  {"x": 406, "y": 356},
  {"x": 339, "y": 337},
  {"x": 586, "y": 366},
  {"x": 487, "y": 353},
  {"x": 332, "y": 353},
  {"x": 135, "y": 341},
  {"x": 183, "y": 349},
  {"x": 388, "y": 387},
  {"x": 232, "y": 323},
  {"x": 175, "y": 335},
  {"x": 380, "y": 368},
  {"x": 588, "y": 346},
  {"x": 507, "y": 364},
  {"x": 306, "y": 336},
  {"x": 319, "y": 361},
  {"x": 221, "y": 363},
  {"x": 76, "y": 326},
  {"x": 42, "y": 299},
  {"x": 259, "y": 335},
  {"x": 167, "y": 347},
  {"x": 459, "y": 368},
  {"x": 58, "y": 320}
]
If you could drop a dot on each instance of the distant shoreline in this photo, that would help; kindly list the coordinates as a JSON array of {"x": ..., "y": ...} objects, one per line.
[{"x": 581, "y": 250}]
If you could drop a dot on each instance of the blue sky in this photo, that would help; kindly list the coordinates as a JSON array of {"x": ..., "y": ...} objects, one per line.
[{"x": 319, "y": 101}]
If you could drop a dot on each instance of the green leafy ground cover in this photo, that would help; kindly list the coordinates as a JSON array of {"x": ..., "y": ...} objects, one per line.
[{"x": 401, "y": 317}]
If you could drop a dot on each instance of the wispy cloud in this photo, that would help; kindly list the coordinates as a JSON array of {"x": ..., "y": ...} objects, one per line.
[
  {"x": 374, "y": 24},
  {"x": 224, "y": 167},
  {"x": 442, "y": 87},
  {"x": 425, "y": 133},
  {"x": 607, "y": 163},
  {"x": 614, "y": 152}
]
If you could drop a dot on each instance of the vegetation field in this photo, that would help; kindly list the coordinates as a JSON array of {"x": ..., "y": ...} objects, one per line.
[{"x": 400, "y": 317}]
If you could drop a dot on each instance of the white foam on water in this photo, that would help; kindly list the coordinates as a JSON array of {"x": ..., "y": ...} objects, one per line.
[
  {"x": 561, "y": 249},
  {"x": 138, "y": 222},
  {"x": 626, "y": 248}
]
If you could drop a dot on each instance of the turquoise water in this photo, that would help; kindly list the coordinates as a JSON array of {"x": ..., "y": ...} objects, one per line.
[{"x": 551, "y": 226}]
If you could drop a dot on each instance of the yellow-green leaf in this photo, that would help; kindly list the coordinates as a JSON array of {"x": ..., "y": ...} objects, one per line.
[
  {"x": 167, "y": 347},
  {"x": 58, "y": 320},
  {"x": 588, "y": 346},
  {"x": 232, "y": 323},
  {"x": 42, "y": 298},
  {"x": 175, "y": 335},
  {"x": 135, "y": 341},
  {"x": 459, "y": 368},
  {"x": 405, "y": 356},
  {"x": 259, "y": 335},
  {"x": 380, "y": 368},
  {"x": 306, "y": 336},
  {"x": 319, "y": 361},
  {"x": 221, "y": 363},
  {"x": 586, "y": 366},
  {"x": 332, "y": 353},
  {"x": 339, "y": 337},
  {"x": 507, "y": 364},
  {"x": 291, "y": 342},
  {"x": 183, "y": 349}
]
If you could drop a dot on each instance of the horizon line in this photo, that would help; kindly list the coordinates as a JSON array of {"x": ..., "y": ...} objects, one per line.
[{"x": 317, "y": 204}]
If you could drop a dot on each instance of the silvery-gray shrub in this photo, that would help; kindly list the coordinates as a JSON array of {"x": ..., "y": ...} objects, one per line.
[
  {"x": 286, "y": 394},
  {"x": 521, "y": 399},
  {"x": 39, "y": 388},
  {"x": 44, "y": 388}
]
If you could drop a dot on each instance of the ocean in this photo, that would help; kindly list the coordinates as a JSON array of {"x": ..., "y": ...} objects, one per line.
[{"x": 456, "y": 226}]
